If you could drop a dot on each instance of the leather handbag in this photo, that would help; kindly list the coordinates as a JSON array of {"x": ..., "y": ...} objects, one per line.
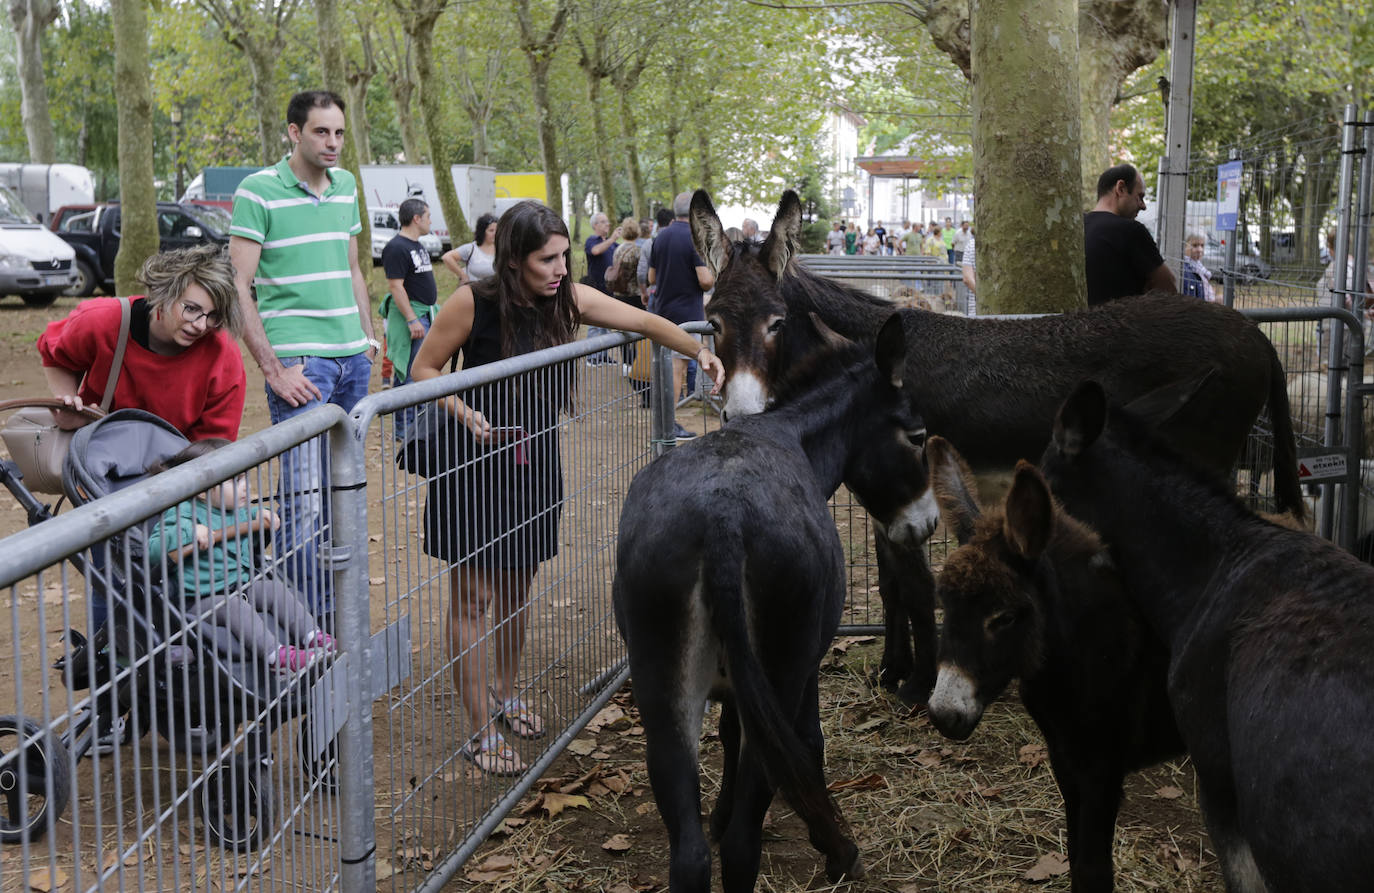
[{"x": 34, "y": 441}]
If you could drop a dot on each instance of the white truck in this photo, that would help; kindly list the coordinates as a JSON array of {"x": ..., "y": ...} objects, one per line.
[
  {"x": 34, "y": 263},
  {"x": 43, "y": 188},
  {"x": 387, "y": 185}
]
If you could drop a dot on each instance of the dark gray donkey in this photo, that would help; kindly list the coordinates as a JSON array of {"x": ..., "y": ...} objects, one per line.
[
  {"x": 991, "y": 387},
  {"x": 730, "y": 583},
  {"x": 1270, "y": 634}
]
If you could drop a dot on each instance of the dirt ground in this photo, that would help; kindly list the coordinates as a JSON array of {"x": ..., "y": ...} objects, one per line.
[{"x": 928, "y": 814}]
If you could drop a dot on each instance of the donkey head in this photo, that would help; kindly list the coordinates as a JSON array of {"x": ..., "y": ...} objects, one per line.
[
  {"x": 887, "y": 472},
  {"x": 993, "y": 628},
  {"x": 747, "y": 310}
]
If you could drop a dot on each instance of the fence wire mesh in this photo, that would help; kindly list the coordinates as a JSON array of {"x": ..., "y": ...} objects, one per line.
[{"x": 167, "y": 750}]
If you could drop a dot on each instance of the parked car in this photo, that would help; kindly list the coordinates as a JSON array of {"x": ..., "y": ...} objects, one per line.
[
  {"x": 1249, "y": 266},
  {"x": 34, "y": 264},
  {"x": 385, "y": 225},
  {"x": 93, "y": 232}
]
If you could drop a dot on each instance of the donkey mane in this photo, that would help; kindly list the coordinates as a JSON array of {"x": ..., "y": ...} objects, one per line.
[
  {"x": 853, "y": 313},
  {"x": 1133, "y": 434},
  {"x": 812, "y": 371}
]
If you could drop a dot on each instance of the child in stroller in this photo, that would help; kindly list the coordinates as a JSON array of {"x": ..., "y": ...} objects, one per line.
[{"x": 220, "y": 581}]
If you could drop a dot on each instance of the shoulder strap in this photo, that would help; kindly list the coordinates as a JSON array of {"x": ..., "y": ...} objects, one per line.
[
  {"x": 125, "y": 309},
  {"x": 467, "y": 258}
]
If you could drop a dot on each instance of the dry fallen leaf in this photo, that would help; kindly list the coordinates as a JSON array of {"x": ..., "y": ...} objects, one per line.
[
  {"x": 928, "y": 758},
  {"x": 1032, "y": 755},
  {"x": 1050, "y": 865},
  {"x": 645, "y": 808},
  {"x": 991, "y": 792},
  {"x": 497, "y": 863},
  {"x": 554, "y": 802},
  {"x": 873, "y": 782},
  {"x": 581, "y": 746},
  {"x": 871, "y": 724},
  {"x": 45, "y": 882},
  {"x": 1169, "y": 792},
  {"x": 618, "y": 843}
]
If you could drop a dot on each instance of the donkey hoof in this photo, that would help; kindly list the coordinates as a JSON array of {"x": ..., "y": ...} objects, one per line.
[
  {"x": 915, "y": 694},
  {"x": 889, "y": 678},
  {"x": 851, "y": 869}
]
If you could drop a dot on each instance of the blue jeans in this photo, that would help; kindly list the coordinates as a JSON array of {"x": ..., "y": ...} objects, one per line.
[
  {"x": 405, "y": 416},
  {"x": 304, "y": 503}
]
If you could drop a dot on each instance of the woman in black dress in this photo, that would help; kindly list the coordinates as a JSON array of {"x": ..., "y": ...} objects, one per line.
[{"x": 495, "y": 517}]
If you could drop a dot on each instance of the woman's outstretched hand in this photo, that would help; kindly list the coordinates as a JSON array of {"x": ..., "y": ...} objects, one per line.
[{"x": 712, "y": 366}]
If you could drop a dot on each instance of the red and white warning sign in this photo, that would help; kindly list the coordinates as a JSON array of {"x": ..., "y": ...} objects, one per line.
[{"x": 1321, "y": 468}]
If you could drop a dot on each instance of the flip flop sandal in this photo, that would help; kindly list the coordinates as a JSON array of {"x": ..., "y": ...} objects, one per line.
[
  {"x": 523, "y": 722},
  {"x": 493, "y": 755}
]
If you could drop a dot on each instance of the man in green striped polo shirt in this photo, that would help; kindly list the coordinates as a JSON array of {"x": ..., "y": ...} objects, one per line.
[{"x": 294, "y": 240}]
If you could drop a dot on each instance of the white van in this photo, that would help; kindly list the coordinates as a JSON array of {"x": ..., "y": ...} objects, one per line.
[
  {"x": 34, "y": 263},
  {"x": 386, "y": 225}
]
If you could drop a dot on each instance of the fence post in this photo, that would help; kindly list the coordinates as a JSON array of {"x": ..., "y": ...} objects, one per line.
[
  {"x": 1364, "y": 189},
  {"x": 352, "y": 625},
  {"x": 1337, "y": 362},
  {"x": 662, "y": 401},
  {"x": 1229, "y": 273},
  {"x": 1173, "y": 168}
]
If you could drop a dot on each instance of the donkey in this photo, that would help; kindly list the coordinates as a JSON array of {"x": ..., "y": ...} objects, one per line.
[
  {"x": 1270, "y": 633},
  {"x": 730, "y": 583},
  {"x": 1032, "y": 593},
  {"x": 991, "y": 387}
]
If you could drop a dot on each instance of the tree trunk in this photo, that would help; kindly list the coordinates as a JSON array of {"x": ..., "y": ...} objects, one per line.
[
  {"x": 671, "y": 136},
  {"x": 431, "y": 107},
  {"x": 548, "y": 138},
  {"x": 701, "y": 123},
  {"x": 359, "y": 78},
  {"x": 1115, "y": 37},
  {"x": 335, "y": 78},
  {"x": 261, "y": 65},
  {"x": 539, "y": 51},
  {"x": 629, "y": 133},
  {"x": 605, "y": 185},
  {"x": 402, "y": 89},
  {"x": 1026, "y": 132},
  {"x": 29, "y": 18},
  {"x": 134, "y": 109}
]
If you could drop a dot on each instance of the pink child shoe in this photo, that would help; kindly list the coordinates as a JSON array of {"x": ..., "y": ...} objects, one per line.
[{"x": 291, "y": 659}]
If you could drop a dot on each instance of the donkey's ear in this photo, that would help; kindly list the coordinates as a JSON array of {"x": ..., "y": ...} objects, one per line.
[
  {"x": 829, "y": 336},
  {"x": 1164, "y": 402},
  {"x": 784, "y": 241},
  {"x": 1029, "y": 519},
  {"x": 952, "y": 482},
  {"x": 707, "y": 233},
  {"x": 890, "y": 350},
  {"x": 1081, "y": 419}
]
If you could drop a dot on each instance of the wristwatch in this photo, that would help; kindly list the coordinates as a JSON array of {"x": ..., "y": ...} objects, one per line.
[{"x": 376, "y": 345}]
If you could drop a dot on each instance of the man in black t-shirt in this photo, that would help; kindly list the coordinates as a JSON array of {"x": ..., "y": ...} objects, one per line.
[
  {"x": 681, "y": 276},
  {"x": 410, "y": 276},
  {"x": 1122, "y": 258}
]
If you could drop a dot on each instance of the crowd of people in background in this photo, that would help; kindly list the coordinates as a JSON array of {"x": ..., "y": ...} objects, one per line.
[{"x": 292, "y": 289}]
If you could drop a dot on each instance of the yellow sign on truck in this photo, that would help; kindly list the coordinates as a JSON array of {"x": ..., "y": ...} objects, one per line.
[{"x": 515, "y": 186}]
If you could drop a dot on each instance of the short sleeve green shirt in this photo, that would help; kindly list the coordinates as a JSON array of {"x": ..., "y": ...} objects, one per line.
[{"x": 304, "y": 281}]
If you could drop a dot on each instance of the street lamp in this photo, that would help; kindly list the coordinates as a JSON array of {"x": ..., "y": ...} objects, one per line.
[{"x": 176, "y": 148}]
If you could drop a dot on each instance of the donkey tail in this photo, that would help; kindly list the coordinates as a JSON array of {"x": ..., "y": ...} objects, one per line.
[
  {"x": 788, "y": 762},
  {"x": 1286, "y": 486}
]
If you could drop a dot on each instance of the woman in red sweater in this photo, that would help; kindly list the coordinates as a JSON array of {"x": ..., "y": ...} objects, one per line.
[{"x": 181, "y": 363}]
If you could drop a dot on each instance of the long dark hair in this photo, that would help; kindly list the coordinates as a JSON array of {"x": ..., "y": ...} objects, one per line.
[
  {"x": 528, "y": 324},
  {"x": 479, "y": 231}
]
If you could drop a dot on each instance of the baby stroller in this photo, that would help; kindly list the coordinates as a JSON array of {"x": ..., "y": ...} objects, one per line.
[{"x": 152, "y": 664}]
